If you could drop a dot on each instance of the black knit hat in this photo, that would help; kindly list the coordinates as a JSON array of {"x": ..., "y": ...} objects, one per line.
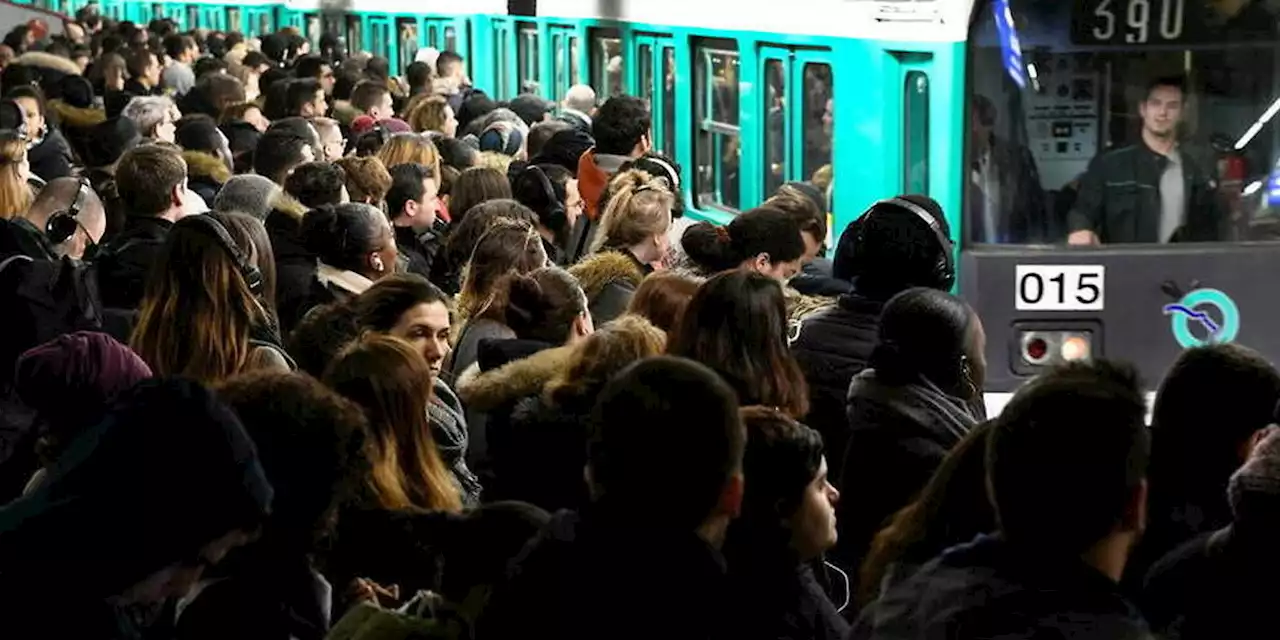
[
  {"x": 565, "y": 148},
  {"x": 76, "y": 91},
  {"x": 110, "y": 140}
]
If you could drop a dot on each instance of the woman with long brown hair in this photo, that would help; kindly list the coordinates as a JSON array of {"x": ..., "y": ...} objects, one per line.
[
  {"x": 15, "y": 171},
  {"x": 392, "y": 382},
  {"x": 737, "y": 325},
  {"x": 201, "y": 316}
]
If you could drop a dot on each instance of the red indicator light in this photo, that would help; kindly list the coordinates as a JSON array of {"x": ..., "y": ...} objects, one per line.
[{"x": 1036, "y": 349}]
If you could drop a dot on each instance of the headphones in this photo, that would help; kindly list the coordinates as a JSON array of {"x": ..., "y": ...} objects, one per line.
[
  {"x": 556, "y": 214},
  {"x": 944, "y": 272},
  {"x": 249, "y": 271},
  {"x": 63, "y": 224}
]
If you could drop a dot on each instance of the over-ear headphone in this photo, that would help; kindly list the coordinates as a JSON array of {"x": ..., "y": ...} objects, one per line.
[
  {"x": 944, "y": 271},
  {"x": 249, "y": 271},
  {"x": 557, "y": 217},
  {"x": 63, "y": 224}
]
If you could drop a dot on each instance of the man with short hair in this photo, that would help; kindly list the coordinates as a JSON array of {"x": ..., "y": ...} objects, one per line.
[
  {"x": 279, "y": 152},
  {"x": 411, "y": 203},
  {"x": 305, "y": 98},
  {"x": 317, "y": 184},
  {"x": 178, "y": 76},
  {"x": 373, "y": 99},
  {"x": 144, "y": 73},
  {"x": 578, "y": 107},
  {"x": 657, "y": 518},
  {"x": 312, "y": 66},
  {"x": 1066, "y": 474},
  {"x": 622, "y": 131},
  {"x": 152, "y": 183}
]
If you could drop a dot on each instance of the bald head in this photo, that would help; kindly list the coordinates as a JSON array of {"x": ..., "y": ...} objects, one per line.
[
  {"x": 580, "y": 97},
  {"x": 58, "y": 196}
]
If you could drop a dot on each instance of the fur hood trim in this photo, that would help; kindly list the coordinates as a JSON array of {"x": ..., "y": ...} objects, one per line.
[
  {"x": 201, "y": 164},
  {"x": 600, "y": 270},
  {"x": 512, "y": 381},
  {"x": 77, "y": 117},
  {"x": 48, "y": 61}
]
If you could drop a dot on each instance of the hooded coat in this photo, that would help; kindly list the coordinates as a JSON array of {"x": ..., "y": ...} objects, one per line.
[
  {"x": 136, "y": 494},
  {"x": 205, "y": 174},
  {"x": 610, "y": 279}
]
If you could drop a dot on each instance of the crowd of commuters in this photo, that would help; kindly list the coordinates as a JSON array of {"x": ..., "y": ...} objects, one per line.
[{"x": 289, "y": 343}]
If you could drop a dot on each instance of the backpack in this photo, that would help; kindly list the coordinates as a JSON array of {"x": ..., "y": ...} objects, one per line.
[{"x": 44, "y": 299}]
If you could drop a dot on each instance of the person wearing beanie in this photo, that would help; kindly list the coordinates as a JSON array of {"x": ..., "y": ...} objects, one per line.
[
  {"x": 531, "y": 108},
  {"x": 565, "y": 148},
  {"x": 77, "y": 114},
  {"x": 504, "y": 138},
  {"x": 248, "y": 193},
  {"x": 93, "y": 368},
  {"x": 207, "y": 153},
  {"x": 165, "y": 486},
  {"x": 1215, "y": 586}
]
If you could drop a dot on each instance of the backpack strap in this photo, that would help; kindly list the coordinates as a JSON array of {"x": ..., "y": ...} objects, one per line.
[
  {"x": 12, "y": 259},
  {"x": 266, "y": 344}
]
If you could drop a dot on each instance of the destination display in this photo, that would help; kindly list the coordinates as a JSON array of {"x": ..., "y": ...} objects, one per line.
[{"x": 1169, "y": 22}]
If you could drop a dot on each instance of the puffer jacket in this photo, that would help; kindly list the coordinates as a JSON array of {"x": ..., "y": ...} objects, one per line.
[
  {"x": 610, "y": 279},
  {"x": 77, "y": 127},
  {"x": 205, "y": 174},
  {"x": 832, "y": 346}
]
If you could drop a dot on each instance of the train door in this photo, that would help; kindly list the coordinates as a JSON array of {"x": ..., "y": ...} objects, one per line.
[
  {"x": 564, "y": 60},
  {"x": 212, "y": 18},
  {"x": 503, "y": 54},
  {"x": 655, "y": 80},
  {"x": 381, "y": 40},
  {"x": 529, "y": 60},
  {"x": 606, "y": 63},
  {"x": 797, "y": 112},
  {"x": 408, "y": 41},
  {"x": 450, "y": 34}
]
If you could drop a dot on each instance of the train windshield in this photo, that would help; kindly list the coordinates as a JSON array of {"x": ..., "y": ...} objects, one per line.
[{"x": 1123, "y": 122}]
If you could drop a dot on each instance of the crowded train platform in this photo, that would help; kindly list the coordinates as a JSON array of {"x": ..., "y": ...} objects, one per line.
[{"x": 297, "y": 348}]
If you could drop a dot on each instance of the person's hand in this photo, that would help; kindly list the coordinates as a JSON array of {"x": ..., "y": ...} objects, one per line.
[
  {"x": 1083, "y": 237},
  {"x": 365, "y": 590}
]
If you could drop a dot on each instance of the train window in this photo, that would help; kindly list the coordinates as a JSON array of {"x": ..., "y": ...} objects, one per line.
[
  {"x": 355, "y": 41},
  {"x": 233, "y": 19},
  {"x": 915, "y": 127},
  {"x": 775, "y": 124},
  {"x": 1061, "y": 118},
  {"x": 645, "y": 73},
  {"x": 717, "y": 147},
  {"x": 528, "y": 54},
  {"x": 264, "y": 22},
  {"x": 669, "y": 100},
  {"x": 558, "y": 45},
  {"x": 502, "y": 69},
  {"x": 451, "y": 38},
  {"x": 574, "y": 76},
  {"x": 606, "y": 65},
  {"x": 193, "y": 17},
  {"x": 819, "y": 119},
  {"x": 407, "y": 31},
  {"x": 314, "y": 30}
]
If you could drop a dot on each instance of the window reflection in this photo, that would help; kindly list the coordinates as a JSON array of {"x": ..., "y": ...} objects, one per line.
[
  {"x": 717, "y": 146},
  {"x": 1145, "y": 121},
  {"x": 819, "y": 123}
]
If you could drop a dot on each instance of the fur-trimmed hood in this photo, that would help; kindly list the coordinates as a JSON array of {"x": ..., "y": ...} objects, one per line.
[
  {"x": 204, "y": 165},
  {"x": 512, "y": 381},
  {"x": 602, "y": 269},
  {"x": 42, "y": 60},
  {"x": 288, "y": 205},
  {"x": 77, "y": 117}
]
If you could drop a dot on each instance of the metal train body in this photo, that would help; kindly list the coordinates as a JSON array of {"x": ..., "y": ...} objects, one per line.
[{"x": 736, "y": 90}]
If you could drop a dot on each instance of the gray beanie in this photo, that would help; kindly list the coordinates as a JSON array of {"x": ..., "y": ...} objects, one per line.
[{"x": 249, "y": 193}]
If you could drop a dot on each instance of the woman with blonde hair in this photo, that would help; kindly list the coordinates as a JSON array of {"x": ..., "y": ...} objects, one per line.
[
  {"x": 201, "y": 315},
  {"x": 15, "y": 172},
  {"x": 410, "y": 148},
  {"x": 541, "y": 459},
  {"x": 391, "y": 381},
  {"x": 628, "y": 238},
  {"x": 433, "y": 113}
]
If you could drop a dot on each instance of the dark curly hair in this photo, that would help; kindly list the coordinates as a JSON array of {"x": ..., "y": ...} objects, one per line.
[{"x": 311, "y": 444}]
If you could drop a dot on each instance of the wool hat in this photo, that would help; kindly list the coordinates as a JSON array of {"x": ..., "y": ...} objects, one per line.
[
  {"x": 531, "y": 108},
  {"x": 502, "y": 137},
  {"x": 77, "y": 91},
  {"x": 247, "y": 193}
]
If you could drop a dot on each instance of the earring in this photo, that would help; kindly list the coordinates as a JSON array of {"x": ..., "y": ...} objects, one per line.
[{"x": 378, "y": 265}]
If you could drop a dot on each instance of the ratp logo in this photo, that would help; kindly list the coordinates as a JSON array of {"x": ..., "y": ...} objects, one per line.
[{"x": 1213, "y": 311}]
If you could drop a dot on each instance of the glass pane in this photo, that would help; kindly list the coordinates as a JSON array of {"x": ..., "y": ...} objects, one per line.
[
  {"x": 775, "y": 130},
  {"x": 669, "y": 101},
  {"x": 264, "y": 23},
  {"x": 915, "y": 147},
  {"x": 433, "y": 35},
  {"x": 606, "y": 67},
  {"x": 314, "y": 30},
  {"x": 502, "y": 68},
  {"x": 717, "y": 152},
  {"x": 233, "y": 19},
  {"x": 819, "y": 119},
  {"x": 354, "y": 40},
  {"x": 451, "y": 39},
  {"x": 378, "y": 32},
  {"x": 574, "y": 76},
  {"x": 528, "y": 52},
  {"x": 408, "y": 38},
  {"x": 193, "y": 17},
  {"x": 646, "y": 73},
  {"x": 1191, "y": 88}
]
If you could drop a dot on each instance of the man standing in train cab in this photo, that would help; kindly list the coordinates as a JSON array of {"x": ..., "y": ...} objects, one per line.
[{"x": 1153, "y": 191}]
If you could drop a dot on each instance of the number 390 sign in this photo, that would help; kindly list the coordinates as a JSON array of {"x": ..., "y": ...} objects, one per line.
[
  {"x": 1132, "y": 22},
  {"x": 1050, "y": 287}
]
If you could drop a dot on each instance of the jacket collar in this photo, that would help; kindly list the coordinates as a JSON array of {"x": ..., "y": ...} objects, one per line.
[{"x": 348, "y": 281}]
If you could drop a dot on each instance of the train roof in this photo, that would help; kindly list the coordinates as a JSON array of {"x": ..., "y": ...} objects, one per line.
[
  {"x": 901, "y": 20},
  {"x": 436, "y": 7}
]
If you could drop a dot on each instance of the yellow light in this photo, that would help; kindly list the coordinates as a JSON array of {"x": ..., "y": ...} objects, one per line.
[{"x": 1075, "y": 348}]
